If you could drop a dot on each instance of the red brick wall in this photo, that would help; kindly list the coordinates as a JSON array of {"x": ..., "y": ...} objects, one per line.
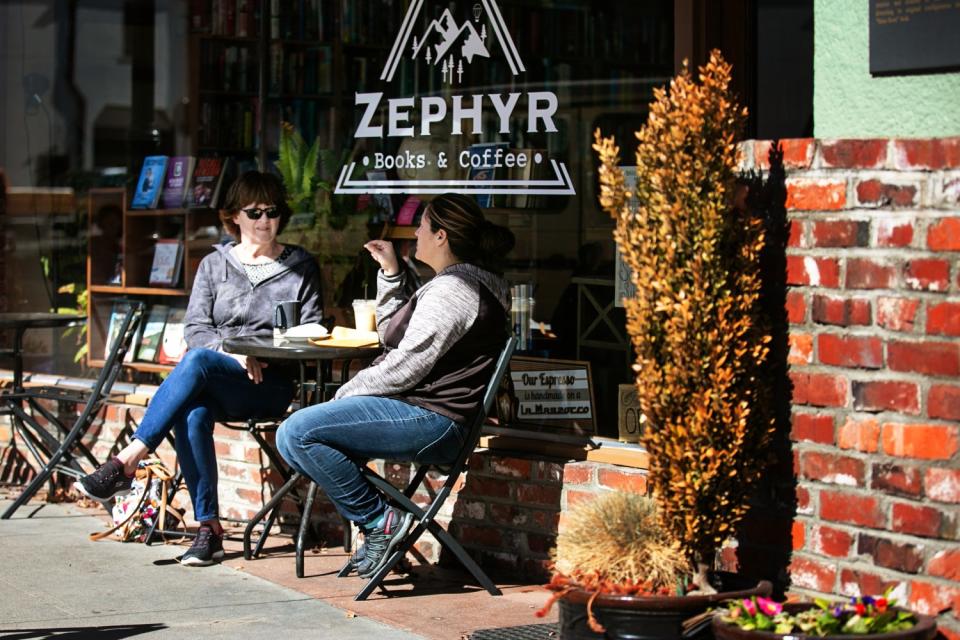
[{"x": 874, "y": 307}]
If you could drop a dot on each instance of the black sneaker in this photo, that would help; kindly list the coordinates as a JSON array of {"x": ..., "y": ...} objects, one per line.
[
  {"x": 106, "y": 483},
  {"x": 379, "y": 542},
  {"x": 206, "y": 548}
]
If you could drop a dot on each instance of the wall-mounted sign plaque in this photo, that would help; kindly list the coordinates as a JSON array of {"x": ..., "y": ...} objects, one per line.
[
  {"x": 553, "y": 396},
  {"x": 908, "y": 36}
]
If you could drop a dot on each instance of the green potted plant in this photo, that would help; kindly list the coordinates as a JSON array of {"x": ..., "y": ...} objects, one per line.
[
  {"x": 297, "y": 165},
  {"x": 308, "y": 173},
  {"x": 701, "y": 340}
]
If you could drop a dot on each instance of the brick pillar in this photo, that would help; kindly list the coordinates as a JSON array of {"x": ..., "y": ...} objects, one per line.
[{"x": 874, "y": 310}]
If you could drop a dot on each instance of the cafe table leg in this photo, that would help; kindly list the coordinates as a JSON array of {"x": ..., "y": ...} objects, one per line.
[{"x": 304, "y": 525}]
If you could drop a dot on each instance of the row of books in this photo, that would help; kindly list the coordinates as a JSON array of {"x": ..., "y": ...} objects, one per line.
[
  {"x": 159, "y": 338},
  {"x": 620, "y": 33},
  {"x": 227, "y": 123},
  {"x": 371, "y": 22},
  {"x": 301, "y": 19},
  {"x": 300, "y": 71},
  {"x": 181, "y": 182},
  {"x": 307, "y": 20},
  {"x": 530, "y": 171},
  {"x": 227, "y": 66},
  {"x": 239, "y": 18}
]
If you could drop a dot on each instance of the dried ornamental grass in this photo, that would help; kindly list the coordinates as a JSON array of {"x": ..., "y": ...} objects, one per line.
[
  {"x": 695, "y": 323},
  {"x": 618, "y": 537},
  {"x": 616, "y": 545}
]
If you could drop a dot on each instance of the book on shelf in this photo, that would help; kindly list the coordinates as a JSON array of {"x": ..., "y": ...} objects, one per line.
[
  {"x": 529, "y": 171},
  {"x": 117, "y": 315},
  {"x": 150, "y": 184},
  {"x": 382, "y": 201},
  {"x": 179, "y": 169},
  {"x": 482, "y": 167},
  {"x": 167, "y": 257},
  {"x": 152, "y": 333},
  {"x": 408, "y": 211},
  {"x": 173, "y": 345},
  {"x": 207, "y": 182}
]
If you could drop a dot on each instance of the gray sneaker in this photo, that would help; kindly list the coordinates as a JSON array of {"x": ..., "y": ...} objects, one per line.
[{"x": 379, "y": 542}]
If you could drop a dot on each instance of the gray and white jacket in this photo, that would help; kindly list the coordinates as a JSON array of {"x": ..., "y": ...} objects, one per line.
[
  {"x": 224, "y": 303},
  {"x": 441, "y": 344}
]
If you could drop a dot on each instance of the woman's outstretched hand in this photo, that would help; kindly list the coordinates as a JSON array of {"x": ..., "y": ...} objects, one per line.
[{"x": 382, "y": 251}]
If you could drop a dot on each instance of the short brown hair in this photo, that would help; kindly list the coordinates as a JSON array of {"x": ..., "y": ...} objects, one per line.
[{"x": 254, "y": 186}]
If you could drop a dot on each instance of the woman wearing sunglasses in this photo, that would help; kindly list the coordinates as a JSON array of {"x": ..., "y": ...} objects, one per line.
[{"x": 235, "y": 291}]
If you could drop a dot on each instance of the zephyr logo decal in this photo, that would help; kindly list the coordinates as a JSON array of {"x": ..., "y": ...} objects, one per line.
[{"x": 451, "y": 47}]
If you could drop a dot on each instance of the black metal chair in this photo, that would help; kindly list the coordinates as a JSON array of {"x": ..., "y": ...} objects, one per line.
[
  {"x": 426, "y": 515},
  {"x": 62, "y": 452}
]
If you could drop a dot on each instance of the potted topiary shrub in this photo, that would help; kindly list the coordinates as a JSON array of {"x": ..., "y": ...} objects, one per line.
[{"x": 701, "y": 340}]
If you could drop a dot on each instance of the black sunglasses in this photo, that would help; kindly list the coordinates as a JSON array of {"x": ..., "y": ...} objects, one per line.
[{"x": 254, "y": 214}]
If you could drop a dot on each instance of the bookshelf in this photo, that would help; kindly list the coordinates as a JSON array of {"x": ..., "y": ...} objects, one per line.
[
  {"x": 120, "y": 254},
  {"x": 257, "y": 63}
]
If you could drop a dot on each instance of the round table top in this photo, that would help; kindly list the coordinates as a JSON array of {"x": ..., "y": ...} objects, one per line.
[
  {"x": 269, "y": 347},
  {"x": 38, "y": 319}
]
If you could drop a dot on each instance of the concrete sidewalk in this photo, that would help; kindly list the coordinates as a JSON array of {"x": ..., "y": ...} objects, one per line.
[{"x": 53, "y": 581}]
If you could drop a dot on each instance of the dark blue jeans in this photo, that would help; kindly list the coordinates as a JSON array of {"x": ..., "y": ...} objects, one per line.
[
  {"x": 208, "y": 386},
  {"x": 329, "y": 442}
]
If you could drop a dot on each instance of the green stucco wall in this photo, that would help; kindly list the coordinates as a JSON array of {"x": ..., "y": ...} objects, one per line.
[{"x": 850, "y": 103}]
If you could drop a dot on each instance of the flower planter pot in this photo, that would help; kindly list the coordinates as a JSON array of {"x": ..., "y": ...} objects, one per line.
[
  {"x": 924, "y": 629},
  {"x": 645, "y": 618}
]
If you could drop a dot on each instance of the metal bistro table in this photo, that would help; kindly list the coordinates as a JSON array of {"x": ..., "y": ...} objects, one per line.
[
  {"x": 20, "y": 322},
  {"x": 304, "y": 352}
]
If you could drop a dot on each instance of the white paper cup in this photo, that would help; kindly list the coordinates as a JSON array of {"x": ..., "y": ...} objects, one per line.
[{"x": 365, "y": 315}]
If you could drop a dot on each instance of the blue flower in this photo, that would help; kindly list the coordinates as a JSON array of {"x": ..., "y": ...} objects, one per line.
[{"x": 868, "y": 600}]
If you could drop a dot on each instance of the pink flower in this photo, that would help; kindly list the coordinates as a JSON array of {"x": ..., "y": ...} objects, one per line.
[
  {"x": 769, "y": 607},
  {"x": 749, "y": 607}
]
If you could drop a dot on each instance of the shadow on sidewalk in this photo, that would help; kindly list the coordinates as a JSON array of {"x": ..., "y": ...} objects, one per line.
[{"x": 113, "y": 632}]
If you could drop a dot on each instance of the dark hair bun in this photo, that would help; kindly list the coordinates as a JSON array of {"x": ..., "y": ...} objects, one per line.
[{"x": 496, "y": 240}]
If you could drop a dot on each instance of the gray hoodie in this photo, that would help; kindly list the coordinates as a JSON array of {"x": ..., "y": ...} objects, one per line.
[
  {"x": 441, "y": 344},
  {"x": 224, "y": 303}
]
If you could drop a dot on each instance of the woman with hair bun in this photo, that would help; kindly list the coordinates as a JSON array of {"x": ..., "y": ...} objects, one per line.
[{"x": 415, "y": 400}]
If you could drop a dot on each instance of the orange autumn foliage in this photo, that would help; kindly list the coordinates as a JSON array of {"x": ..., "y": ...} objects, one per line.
[{"x": 695, "y": 322}]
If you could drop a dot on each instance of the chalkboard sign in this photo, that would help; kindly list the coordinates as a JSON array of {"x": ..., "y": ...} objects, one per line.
[
  {"x": 908, "y": 36},
  {"x": 553, "y": 395}
]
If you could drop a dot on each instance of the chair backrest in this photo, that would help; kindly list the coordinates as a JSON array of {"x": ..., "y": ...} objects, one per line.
[
  {"x": 122, "y": 343},
  {"x": 489, "y": 396}
]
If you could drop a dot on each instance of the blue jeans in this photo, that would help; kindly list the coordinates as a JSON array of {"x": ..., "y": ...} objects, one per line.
[
  {"x": 208, "y": 386},
  {"x": 329, "y": 442}
]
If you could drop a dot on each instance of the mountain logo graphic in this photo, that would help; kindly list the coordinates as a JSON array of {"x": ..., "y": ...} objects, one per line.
[{"x": 447, "y": 45}]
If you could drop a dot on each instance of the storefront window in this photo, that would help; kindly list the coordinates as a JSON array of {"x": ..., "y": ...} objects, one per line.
[
  {"x": 102, "y": 85},
  {"x": 545, "y": 76}
]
